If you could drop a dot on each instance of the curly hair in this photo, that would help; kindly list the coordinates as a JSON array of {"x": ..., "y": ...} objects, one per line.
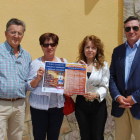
[{"x": 99, "y": 58}]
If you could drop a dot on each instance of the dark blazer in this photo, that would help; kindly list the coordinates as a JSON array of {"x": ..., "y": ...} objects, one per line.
[{"x": 117, "y": 81}]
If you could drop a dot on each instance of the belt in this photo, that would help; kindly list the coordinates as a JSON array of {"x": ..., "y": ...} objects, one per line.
[
  {"x": 11, "y": 99},
  {"x": 90, "y": 100}
]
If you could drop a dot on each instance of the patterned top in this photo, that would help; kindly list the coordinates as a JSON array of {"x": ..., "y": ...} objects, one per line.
[
  {"x": 13, "y": 72},
  {"x": 38, "y": 99}
]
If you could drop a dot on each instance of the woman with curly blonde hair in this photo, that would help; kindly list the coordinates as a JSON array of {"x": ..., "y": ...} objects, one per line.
[{"x": 91, "y": 110}]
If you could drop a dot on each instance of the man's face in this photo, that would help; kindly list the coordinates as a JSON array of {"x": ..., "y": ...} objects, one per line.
[
  {"x": 132, "y": 36},
  {"x": 14, "y": 35}
]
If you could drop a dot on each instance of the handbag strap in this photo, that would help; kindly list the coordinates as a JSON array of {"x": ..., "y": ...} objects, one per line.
[{"x": 62, "y": 60}]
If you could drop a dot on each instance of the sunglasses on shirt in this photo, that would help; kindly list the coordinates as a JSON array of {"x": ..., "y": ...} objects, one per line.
[
  {"x": 47, "y": 45},
  {"x": 135, "y": 28}
]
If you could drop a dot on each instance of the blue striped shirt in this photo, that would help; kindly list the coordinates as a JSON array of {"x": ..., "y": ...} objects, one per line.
[
  {"x": 130, "y": 54},
  {"x": 13, "y": 72}
]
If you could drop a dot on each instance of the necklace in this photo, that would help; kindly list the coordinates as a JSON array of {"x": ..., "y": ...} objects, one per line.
[{"x": 89, "y": 64}]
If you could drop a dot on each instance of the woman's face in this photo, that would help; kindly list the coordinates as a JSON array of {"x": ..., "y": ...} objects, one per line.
[
  {"x": 49, "y": 47},
  {"x": 90, "y": 50}
]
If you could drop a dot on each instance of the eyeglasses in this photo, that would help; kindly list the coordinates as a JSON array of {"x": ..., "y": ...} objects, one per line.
[
  {"x": 47, "y": 45},
  {"x": 135, "y": 28},
  {"x": 14, "y": 33}
]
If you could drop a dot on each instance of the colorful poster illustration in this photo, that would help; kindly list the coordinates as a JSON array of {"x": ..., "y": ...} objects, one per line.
[
  {"x": 64, "y": 78},
  {"x": 54, "y": 76}
]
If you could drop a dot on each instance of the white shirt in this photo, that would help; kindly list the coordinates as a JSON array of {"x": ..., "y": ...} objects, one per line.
[{"x": 38, "y": 99}]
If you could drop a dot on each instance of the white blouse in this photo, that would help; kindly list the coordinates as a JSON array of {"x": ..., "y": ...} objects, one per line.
[
  {"x": 99, "y": 81},
  {"x": 38, "y": 99}
]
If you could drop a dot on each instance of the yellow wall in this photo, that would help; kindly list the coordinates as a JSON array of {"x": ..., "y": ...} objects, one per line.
[{"x": 71, "y": 20}]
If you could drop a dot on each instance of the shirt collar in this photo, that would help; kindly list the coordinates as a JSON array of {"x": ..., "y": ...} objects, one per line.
[
  {"x": 135, "y": 45},
  {"x": 10, "y": 49}
]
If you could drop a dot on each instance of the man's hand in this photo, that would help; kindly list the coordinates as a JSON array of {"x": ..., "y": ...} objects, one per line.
[
  {"x": 123, "y": 102},
  {"x": 125, "y": 106},
  {"x": 130, "y": 100}
]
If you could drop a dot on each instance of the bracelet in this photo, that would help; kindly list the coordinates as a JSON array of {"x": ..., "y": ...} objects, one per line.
[{"x": 98, "y": 95}]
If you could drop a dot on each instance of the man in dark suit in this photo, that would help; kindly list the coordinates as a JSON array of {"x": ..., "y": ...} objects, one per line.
[{"x": 125, "y": 82}]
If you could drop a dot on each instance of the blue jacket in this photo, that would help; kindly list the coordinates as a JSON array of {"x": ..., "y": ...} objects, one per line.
[{"x": 117, "y": 81}]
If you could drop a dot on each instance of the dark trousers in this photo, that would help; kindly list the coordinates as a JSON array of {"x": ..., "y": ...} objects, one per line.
[
  {"x": 91, "y": 118},
  {"x": 46, "y": 122}
]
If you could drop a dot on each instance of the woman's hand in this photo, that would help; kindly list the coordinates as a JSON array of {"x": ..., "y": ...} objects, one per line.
[
  {"x": 90, "y": 95},
  {"x": 40, "y": 73},
  {"x": 35, "y": 81},
  {"x": 82, "y": 62},
  {"x": 68, "y": 94}
]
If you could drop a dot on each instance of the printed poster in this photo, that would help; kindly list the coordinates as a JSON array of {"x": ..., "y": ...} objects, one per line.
[
  {"x": 64, "y": 78},
  {"x": 75, "y": 79},
  {"x": 54, "y": 77}
]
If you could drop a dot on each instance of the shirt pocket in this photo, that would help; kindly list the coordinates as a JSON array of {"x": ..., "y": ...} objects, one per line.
[{"x": 23, "y": 69}]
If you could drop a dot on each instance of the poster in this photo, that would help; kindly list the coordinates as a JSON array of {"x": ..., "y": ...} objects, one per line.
[
  {"x": 75, "y": 79},
  {"x": 54, "y": 76},
  {"x": 64, "y": 78}
]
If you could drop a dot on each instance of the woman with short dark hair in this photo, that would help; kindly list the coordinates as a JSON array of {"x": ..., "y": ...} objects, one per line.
[{"x": 46, "y": 108}]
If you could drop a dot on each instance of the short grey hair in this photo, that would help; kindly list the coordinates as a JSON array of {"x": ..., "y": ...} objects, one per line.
[{"x": 15, "y": 21}]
